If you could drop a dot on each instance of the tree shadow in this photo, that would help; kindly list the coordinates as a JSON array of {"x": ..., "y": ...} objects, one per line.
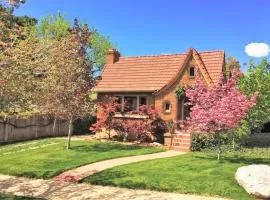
[
  {"x": 41, "y": 189},
  {"x": 106, "y": 178},
  {"x": 99, "y": 147},
  {"x": 236, "y": 159},
  {"x": 109, "y": 178}
]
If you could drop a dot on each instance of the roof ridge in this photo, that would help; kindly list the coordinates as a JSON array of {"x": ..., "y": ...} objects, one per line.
[
  {"x": 171, "y": 54},
  {"x": 210, "y": 51}
]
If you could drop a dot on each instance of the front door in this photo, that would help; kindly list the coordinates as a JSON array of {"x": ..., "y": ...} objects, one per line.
[{"x": 183, "y": 109}]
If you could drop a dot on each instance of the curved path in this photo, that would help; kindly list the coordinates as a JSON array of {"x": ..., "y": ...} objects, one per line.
[
  {"x": 74, "y": 175},
  {"x": 55, "y": 190}
]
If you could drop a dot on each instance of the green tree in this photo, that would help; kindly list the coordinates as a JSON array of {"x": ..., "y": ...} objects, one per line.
[
  {"x": 231, "y": 64},
  {"x": 15, "y": 73},
  {"x": 257, "y": 78},
  {"x": 56, "y": 26},
  {"x": 100, "y": 46},
  {"x": 12, "y": 28},
  {"x": 67, "y": 79}
]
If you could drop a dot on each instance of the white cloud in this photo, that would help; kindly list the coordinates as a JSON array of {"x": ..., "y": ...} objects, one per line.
[{"x": 257, "y": 49}]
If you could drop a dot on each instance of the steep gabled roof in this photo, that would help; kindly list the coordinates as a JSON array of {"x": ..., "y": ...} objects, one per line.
[{"x": 152, "y": 73}]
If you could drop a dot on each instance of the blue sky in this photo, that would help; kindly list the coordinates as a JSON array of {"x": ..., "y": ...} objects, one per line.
[{"x": 168, "y": 26}]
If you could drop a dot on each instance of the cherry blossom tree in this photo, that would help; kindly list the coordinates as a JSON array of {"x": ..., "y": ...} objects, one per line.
[{"x": 219, "y": 108}]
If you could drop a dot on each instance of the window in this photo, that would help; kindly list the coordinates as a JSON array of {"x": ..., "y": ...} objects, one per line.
[
  {"x": 119, "y": 102},
  {"x": 143, "y": 100},
  {"x": 192, "y": 71},
  {"x": 167, "y": 107},
  {"x": 130, "y": 103}
]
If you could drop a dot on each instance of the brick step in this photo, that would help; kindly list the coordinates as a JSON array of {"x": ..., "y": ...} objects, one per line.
[
  {"x": 182, "y": 140},
  {"x": 181, "y": 145},
  {"x": 184, "y": 145},
  {"x": 186, "y": 141},
  {"x": 181, "y": 149},
  {"x": 181, "y": 136}
]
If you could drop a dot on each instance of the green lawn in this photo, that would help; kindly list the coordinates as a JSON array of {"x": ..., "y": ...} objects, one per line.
[
  {"x": 198, "y": 173},
  {"x": 48, "y": 157},
  {"x": 12, "y": 197}
]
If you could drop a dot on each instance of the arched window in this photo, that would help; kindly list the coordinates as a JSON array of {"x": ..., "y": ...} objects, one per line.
[{"x": 167, "y": 107}]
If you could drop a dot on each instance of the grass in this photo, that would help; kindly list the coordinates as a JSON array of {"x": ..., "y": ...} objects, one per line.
[
  {"x": 48, "y": 157},
  {"x": 12, "y": 197},
  {"x": 197, "y": 173}
]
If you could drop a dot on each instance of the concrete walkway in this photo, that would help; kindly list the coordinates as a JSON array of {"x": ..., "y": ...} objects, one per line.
[
  {"x": 74, "y": 175},
  {"x": 54, "y": 190}
]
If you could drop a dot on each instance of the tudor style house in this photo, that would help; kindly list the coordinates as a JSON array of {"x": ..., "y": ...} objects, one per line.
[{"x": 153, "y": 80}]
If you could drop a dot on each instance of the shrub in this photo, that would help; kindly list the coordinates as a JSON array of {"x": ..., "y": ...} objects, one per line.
[
  {"x": 143, "y": 129},
  {"x": 129, "y": 129},
  {"x": 202, "y": 142},
  {"x": 208, "y": 142},
  {"x": 81, "y": 126},
  {"x": 258, "y": 140}
]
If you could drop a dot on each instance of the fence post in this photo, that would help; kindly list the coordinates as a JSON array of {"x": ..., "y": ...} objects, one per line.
[{"x": 5, "y": 130}]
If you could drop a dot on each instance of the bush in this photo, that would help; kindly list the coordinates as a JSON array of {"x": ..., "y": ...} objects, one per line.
[
  {"x": 146, "y": 129},
  {"x": 81, "y": 126},
  {"x": 208, "y": 142},
  {"x": 258, "y": 140},
  {"x": 202, "y": 142}
]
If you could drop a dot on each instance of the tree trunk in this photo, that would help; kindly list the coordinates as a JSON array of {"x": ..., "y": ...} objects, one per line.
[
  {"x": 69, "y": 131},
  {"x": 233, "y": 142},
  {"x": 218, "y": 147},
  {"x": 54, "y": 125},
  {"x": 109, "y": 133}
]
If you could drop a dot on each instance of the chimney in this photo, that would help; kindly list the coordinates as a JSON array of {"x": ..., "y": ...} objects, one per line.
[{"x": 112, "y": 56}]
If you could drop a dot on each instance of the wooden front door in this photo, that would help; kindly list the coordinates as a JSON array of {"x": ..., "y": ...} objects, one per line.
[{"x": 183, "y": 109}]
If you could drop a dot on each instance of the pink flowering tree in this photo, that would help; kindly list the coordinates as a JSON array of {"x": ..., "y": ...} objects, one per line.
[
  {"x": 217, "y": 109},
  {"x": 139, "y": 128},
  {"x": 142, "y": 129},
  {"x": 107, "y": 109}
]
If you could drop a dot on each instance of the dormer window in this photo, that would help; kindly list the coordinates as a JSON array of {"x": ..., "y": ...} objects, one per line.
[{"x": 192, "y": 71}]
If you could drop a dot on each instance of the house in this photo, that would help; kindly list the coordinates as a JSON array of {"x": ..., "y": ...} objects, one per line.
[{"x": 153, "y": 80}]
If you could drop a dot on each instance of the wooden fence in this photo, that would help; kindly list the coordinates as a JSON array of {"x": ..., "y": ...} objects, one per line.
[{"x": 37, "y": 126}]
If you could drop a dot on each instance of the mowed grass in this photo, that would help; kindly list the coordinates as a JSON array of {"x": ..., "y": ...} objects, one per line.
[
  {"x": 49, "y": 157},
  {"x": 197, "y": 173},
  {"x": 12, "y": 197}
]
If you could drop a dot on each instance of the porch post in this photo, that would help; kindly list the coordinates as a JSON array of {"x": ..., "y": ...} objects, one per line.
[
  {"x": 138, "y": 103},
  {"x": 122, "y": 103}
]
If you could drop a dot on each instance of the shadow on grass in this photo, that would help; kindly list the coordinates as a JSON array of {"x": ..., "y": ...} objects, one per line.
[
  {"x": 110, "y": 178},
  {"x": 100, "y": 147},
  {"x": 26, "y": 174},
  {"x": 12, "y": 197},
  {"x": 236, "y": 159}
]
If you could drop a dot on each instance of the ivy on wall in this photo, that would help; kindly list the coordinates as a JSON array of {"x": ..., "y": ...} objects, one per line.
[{"x": 180, "y": 91}]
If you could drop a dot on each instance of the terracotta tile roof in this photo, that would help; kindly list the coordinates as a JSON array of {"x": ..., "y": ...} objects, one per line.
[{"x": 151, "y": 73}]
